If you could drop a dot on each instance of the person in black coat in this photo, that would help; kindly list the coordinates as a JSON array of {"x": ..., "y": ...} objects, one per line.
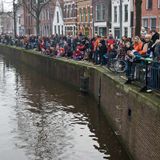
[
  {"x": 155, "y": 37},
  {"x": 102, "y": 50}
]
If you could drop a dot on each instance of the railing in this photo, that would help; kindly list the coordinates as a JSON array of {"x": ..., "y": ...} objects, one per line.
[
  {"x": 145, "y": 74},
  {"x": 148, "y": 75}
]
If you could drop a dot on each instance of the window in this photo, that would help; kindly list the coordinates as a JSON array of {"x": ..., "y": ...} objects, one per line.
[
  {"x": 100, "y": 12},
  {"x": 65, "y": 30},
  {"x": 73, "y": 10},
  {"x": 145, "y": 23},
  {"x": 48, "y": 15},
  {"x": 153, "y": 23},
  {"x": 115, "y": 14},
  {"x": 158, "y": 3},
  {"x": 74, "y": 28},
  {"x": 69, "y": 11},
  {"x": 59, "y": 30},
  {"x": 57, "y": 17},
  {"x": 103, "y": 12},
  {"x": 84, "y": 14},
  {"x": 80, "y": 14},
  {"x": 55, "y": 29},
  {"x": 102, "y": 31},
  {"x": 62, "y": 30},
  {"x": 88, "y": 14},
  {"x": 96, "y": 30},
  {"x": 148, "y": 4},
  {"x": 117, "y": 33},
  {"x": 65, "y": 12},
  {"x": 126, "y": 31},
  {"x": 126, "y": 13}
]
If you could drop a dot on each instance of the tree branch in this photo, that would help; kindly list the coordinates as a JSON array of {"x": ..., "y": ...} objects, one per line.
[{"x": 28, "y": 9}]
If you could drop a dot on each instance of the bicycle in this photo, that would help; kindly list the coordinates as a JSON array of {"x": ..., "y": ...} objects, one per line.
[{"x": 116, "y": 62}]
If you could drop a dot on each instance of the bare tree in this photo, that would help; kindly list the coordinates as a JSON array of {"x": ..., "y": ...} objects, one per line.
[
  {"x": 34, "y": 7},
  {"x": 138, "y": 5}
]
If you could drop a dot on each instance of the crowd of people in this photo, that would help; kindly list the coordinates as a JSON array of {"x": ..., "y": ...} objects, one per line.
[{"x": 99, "y": 49}]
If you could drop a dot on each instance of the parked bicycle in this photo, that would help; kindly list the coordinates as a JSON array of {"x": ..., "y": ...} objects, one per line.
[{"x": 116, "y": 62}]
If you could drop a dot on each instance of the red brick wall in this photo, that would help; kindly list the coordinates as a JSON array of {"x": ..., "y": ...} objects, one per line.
[{"x": 155, "y": 11}]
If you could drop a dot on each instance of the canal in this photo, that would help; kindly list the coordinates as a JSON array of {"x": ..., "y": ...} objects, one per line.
[{"x": 42, "y": 119}]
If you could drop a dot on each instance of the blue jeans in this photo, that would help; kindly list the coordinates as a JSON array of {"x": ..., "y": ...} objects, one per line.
[
  {"x": 97, "y": 57},
  {"x": 130, "y": 70},
  {"x": 155, "y": 76}
]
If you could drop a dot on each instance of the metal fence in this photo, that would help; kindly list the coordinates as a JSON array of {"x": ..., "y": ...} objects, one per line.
[{"x": 148, "y": 74}]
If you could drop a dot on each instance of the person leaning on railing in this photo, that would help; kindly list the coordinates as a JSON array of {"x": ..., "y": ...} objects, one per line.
[
  {"x": 156, "y": 54},
  {"x": 155, "y": 70},
  {"x": 138, "y": 54}
]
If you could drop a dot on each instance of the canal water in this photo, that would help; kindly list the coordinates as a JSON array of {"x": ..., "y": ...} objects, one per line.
[{"x": 42, "y": 119}]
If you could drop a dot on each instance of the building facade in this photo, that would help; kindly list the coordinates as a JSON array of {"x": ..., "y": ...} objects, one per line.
[
  {"x": 29, "y": 21},
  {"x": 101, "y": 16},
  {"x": 46, "y": 19},
  {"x": 6, "y": 23},
  {"x": 151, "y": 15},
  {"x": 70, "y": 17},
  {"x": 20, "y": 21},
  {"x": 58, "y": 22},
  {"x": 122, "y": 20},
  {"x": 85, "y": 17}
]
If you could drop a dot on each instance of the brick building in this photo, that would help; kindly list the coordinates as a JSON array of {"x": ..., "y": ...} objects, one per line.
[
  {"x": 84, "y": 17},
  {"x": 70, "y": 17},
  {"x": 151, "y": 14},
  {"x": 29, "y": 22},
  {"x": 101, "y": 16},
  {"x": 46, "y": 19}
]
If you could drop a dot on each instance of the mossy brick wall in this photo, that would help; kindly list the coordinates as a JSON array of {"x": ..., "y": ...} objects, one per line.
[{"x": 134, "y": 117}]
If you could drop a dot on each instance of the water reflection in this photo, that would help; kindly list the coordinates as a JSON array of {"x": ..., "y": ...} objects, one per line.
[{"x": 48, "y": 121}]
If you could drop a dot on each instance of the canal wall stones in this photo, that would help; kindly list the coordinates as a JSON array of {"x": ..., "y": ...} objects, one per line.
[{"x": 134, "y": 116}]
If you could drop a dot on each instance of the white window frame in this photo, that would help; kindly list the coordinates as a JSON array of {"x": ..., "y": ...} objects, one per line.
[
  {"x": 158, "y": 4},
  {"x": 151, "y": 18},
  {"x": 147, "y": 7},
  {"x": 115, "y": 18},
  {"x": 126, "y": 5}
]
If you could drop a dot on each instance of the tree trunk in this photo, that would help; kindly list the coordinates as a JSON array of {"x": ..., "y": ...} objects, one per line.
[
  {"x": 138, "y": 5},
  {"x": 14, "y": 19},
  {"x": 37, "y": 26}
]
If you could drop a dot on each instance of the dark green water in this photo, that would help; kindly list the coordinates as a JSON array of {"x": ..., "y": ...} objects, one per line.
[{"x": 41, "y": 119}]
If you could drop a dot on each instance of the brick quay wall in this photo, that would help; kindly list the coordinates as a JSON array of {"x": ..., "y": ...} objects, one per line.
[{"x": 133, "y": 116}]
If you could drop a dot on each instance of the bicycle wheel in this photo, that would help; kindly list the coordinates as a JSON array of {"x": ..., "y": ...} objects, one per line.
[{"x": 120, "y": 66}]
